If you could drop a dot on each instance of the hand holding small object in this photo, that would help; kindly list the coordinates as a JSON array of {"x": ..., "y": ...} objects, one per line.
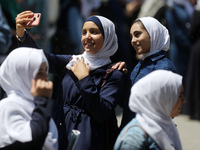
[{"x": 80, "y": 69}]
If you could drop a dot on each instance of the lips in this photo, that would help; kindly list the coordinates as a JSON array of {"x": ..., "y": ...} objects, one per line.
[{"x": 89, "y": 45}]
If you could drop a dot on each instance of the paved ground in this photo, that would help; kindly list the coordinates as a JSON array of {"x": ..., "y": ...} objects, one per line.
[{"x": 189, "y": 131}]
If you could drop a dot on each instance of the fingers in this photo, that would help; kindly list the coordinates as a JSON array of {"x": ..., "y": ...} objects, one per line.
[
  {"x": 82, "y": 60},
  {"x": 125, "y": 70},
  {"x": 21, "y": 20},
  {"x": 42, "y": 88},
  {"x": 43, "y": 84},
  {"x": 116, "y": 65},
  {"x": 119, "y": 65},
  {"x": 87, "y": 66},
  {"x": 122, "y": 65}
]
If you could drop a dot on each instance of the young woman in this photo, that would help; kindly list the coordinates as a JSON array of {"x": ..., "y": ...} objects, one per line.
[
  {"x": 86, "y": 99},
  {"x": 156, "y": 98},
  {"x": 26, "y": 111},
  {"x": 150, "y": 39}
]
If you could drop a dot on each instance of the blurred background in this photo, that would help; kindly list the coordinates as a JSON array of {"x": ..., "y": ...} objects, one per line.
[{"x": 59, "y": 32}]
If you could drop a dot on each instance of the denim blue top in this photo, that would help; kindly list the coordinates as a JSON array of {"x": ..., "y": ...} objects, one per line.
[
  {"x": 154, "y": 62},
  {"x": 133, "y": 137}
]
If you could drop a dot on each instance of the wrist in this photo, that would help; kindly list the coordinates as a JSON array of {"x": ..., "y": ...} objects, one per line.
[{"x": 21, "y": 39}]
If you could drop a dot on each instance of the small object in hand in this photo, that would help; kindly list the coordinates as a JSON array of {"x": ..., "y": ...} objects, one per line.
[{"x": 36, "y": 20}]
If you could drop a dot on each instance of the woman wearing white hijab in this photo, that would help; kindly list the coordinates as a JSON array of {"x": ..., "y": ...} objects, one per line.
[
  {"x": 150, "y": 39},
  {"x": 156, "y": 98},
  {"x": 26, "y": 111},
  {"x": 84, "y": 101}
]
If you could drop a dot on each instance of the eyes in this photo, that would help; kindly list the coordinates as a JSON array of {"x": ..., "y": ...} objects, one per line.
[
  {"x": 92, "y": 31},
  {"x": 136, "y": 34}
]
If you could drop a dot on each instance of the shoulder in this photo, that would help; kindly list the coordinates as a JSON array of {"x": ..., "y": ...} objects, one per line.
[
  {"x": 165, "y": 64},
  {"x": 11, "y": 110},
  {"x": 131, "y": 137}
]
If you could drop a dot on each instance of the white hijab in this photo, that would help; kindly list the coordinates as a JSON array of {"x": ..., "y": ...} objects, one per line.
[
  {"x": 159, "y": 35},
  {"x": 110, "y": 46},
  {"x": 16, "y": 73},
  {"x": 152, "y": 98}
]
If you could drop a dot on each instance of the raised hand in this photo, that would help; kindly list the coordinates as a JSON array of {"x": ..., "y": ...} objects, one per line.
[
  {"x": 41, "y": 88},
  {"x": 120, "y": 66},
  {"x": 21, "y": 20}
]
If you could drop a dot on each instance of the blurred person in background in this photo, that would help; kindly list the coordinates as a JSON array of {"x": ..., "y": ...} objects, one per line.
[
  {"x": 178, "y": 17},
  {"x": 5, "y": 41},
  {"x": 192, "y": 87}
]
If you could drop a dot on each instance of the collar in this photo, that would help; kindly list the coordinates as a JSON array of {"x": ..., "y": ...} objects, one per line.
[{"x": 157, "y": 56}]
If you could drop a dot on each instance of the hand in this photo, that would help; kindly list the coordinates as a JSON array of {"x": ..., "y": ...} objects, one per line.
[
  {"x": 41, "y": 88},
  {"x": 21, "y": 20},
  {"x": 120, "y": 66},
  {"x": 80, "y": 69}
]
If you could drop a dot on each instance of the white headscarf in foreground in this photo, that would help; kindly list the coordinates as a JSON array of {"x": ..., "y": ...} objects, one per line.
[
  {"x": 110, "y": 46},
  {"x": 160, "y": 39},
  {"x": 16, "y": 74},
  {"x": 152, "y": 98}
]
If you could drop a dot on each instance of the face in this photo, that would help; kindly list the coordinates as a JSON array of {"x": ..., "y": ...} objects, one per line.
[
  {"x": 177, "y": 108},
  {"x": 140, "y": 39},
  {"x": 92, "y": 39},
  {"x": 42, "y": 72}
]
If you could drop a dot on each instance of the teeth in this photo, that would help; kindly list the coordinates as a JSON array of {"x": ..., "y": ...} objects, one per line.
[{"x": 89, "y": 44}]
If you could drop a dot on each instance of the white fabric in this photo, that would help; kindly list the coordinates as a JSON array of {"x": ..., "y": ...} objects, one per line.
[
  {"x": 16, "y": 73},
  {"x": 159, "y": 35},
  {"x": 197, "y": 6},
  {"x": 110, "y": 46},
  {"x": 152, "y": 98}
]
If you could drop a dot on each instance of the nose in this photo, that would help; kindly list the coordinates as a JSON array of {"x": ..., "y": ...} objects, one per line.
[
  {"x": 133, "y": 40},
  {"x": 88, "y": 35}
]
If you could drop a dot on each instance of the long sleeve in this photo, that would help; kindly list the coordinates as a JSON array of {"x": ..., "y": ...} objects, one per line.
[
  {"x": 39, "y": 125},
  {"x": 56, "y": 62}
]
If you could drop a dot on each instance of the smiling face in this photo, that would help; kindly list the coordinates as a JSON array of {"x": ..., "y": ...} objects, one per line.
[
  {"x": 42, "y": 72},
  {"x": 177, "y": 107},
  {"x": 92, "y": 39},
  {"x": 140, "y": 39}
]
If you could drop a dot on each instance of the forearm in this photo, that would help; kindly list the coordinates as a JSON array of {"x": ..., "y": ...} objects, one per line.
[
  {"x": 28, "y": 42},
  {"x": 40, "y": 117},
  {"x": 56, "y": 62}
]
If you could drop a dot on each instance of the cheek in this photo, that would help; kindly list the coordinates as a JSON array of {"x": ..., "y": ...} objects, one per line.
[{"x": 82, "y": 40}]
